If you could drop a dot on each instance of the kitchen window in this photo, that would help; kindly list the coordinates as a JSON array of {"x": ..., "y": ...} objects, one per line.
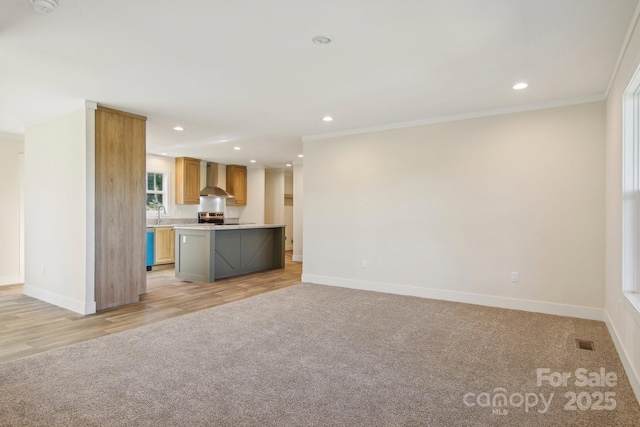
[
  {"x": 157, "y": 196},
  {"x": 631, "y": 191}
]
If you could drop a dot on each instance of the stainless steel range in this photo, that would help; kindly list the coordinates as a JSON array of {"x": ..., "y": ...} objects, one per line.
[{"x": 211, "y": 218}]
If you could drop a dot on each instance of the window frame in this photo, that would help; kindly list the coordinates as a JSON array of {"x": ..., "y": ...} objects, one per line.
[
  {"x": 631, "y": 191},
  {"x": 165, "y": 194}
]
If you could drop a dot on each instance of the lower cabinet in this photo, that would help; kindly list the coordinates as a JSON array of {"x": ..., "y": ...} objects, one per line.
[
  {"x": 226, "y": 259},
  {"x": 164, "y": 245},
  {"x": 244, "y": 251},
  {"x": 205, "y": 256}
]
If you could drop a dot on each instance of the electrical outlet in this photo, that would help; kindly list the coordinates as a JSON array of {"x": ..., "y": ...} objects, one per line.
[
  {"x": 515, "y": 276},
  {"x": 363, "y": 263},
  {"x": 43, "y": 270}
]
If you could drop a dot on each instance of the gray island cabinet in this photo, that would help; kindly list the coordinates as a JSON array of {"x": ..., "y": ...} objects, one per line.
[{"x": 205, "y": 253}]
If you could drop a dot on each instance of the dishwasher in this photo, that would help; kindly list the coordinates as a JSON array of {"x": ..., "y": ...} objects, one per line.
[{"x": 150, "y": 248}]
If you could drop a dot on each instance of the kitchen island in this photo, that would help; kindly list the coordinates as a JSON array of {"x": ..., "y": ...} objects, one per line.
[{"x": 205, "y": 253}]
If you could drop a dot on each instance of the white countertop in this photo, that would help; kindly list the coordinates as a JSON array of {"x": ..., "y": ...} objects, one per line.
[{"x": 225, "y": 227}]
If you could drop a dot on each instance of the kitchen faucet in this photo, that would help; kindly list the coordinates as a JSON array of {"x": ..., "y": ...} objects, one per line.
[{"x": 165, "y": 211}]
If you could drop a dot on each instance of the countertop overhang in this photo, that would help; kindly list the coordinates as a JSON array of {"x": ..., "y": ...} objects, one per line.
[{"x": 225, "y": 227}]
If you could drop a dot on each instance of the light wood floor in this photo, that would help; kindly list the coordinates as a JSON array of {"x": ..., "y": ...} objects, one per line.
[{"x": 29, "y": 326}]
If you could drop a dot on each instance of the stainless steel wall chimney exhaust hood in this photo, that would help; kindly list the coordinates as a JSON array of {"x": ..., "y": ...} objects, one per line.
[{"x": 212, "y": 189}]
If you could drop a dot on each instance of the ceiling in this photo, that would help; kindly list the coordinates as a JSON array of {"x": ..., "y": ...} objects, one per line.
[{"x": 245, "y": 72}]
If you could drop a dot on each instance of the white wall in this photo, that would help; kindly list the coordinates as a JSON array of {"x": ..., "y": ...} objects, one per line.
[
  {"x": 274, "y": 196},
  {"x": 288, "y": 209},
  {"x": 449, "y": 210},
  {"x": 277, "y": 209},
  {"x": 298, "y": 205},
  {"x": 254, "y": 211},
  {"x": 57, "y": 218},
  {"x": 623, "y": 317},
  {"x": 11, "y": 220}
]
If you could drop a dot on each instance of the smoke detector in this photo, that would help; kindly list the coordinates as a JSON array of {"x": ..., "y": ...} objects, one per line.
[{"x": 44, "y": 6}]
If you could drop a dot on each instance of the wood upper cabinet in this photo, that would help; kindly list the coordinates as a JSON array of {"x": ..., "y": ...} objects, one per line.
[
  {"x": 237, "y": 185},
  {"x": 187, "y": 181},
  {"x": 164, "y": 245}
]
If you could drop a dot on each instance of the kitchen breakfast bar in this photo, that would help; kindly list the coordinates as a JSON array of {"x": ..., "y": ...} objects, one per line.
[{"x": 205, "y": 253}]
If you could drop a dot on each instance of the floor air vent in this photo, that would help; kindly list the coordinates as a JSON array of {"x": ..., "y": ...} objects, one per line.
[{"x": 585, "y": 345}]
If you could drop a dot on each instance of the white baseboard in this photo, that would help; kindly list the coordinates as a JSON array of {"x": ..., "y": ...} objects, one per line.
[
  {"x": 288, "y": 247},
  {"x": 634, "y": 377},
  {"x": 464, "y": 297},
  {"x": 11, "y": 280},
  {"x": 60, "y": 300},
  {"x": 296, "y": 258}
]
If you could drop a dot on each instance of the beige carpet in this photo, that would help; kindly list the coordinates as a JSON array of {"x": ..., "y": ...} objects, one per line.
[{"x": 321, "y": 356}]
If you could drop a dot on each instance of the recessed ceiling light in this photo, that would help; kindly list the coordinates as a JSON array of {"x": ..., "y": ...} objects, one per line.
[
  {"x": 252, "y": 161},
  {"x": 178, "y": 128},
  {"x": 288, "y": 165},
  {"x": 327, "y": 118},
  {"x": 520, "y": 86},
  {"x": 165, "y": 154},
  {"x": 301, "y": 155},
  {"x": 322, "y": 39},
  {"x": 237, "y": 148}
]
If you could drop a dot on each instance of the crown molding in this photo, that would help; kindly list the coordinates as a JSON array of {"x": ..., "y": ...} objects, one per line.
[
  {"x": 623, "y": 49},
  {"x": 458, "y": 117}
]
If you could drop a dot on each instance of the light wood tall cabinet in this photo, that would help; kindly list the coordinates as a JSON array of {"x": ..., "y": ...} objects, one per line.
[
  {"x": 164, "y": 245},
  {"x": 237, "y": 185},
  {"x": 120, "y": 226},
  {"x": 187, "y": 181}
]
